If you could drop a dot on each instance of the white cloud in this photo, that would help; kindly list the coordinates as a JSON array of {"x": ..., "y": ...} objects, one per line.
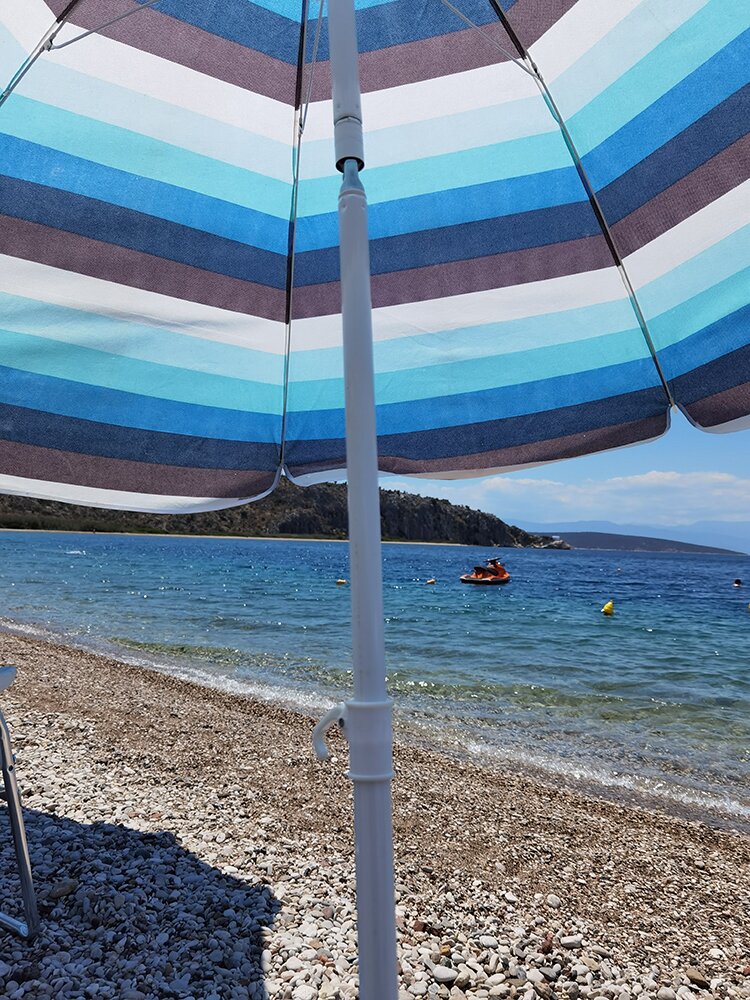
[{"x": 656, "y": 497}]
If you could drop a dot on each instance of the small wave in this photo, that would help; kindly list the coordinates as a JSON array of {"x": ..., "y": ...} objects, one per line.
[
  {"x": 75, "y": 552},
  {"x": 588, "y": 774}
]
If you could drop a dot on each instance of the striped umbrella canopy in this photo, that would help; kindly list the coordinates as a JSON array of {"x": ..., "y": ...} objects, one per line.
[
  {"x": 558, "y": 221},
  {"x": 558, "y": 252}
]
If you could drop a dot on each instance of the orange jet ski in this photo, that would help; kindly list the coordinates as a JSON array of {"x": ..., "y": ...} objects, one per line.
[{"x": 491, "y": 574}]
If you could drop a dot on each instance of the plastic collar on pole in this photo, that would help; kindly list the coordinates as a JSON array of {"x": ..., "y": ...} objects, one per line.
[{"x": 369, "y": 733}]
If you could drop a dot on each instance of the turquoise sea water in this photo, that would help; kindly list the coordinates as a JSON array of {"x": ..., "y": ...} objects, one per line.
[{"x": 651, "y": 704}]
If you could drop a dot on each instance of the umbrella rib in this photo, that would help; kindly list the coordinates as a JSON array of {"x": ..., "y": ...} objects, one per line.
[
  {"x": 101, "y": 27},
  {"x": 300, "y": 120},
  {"x": 44, "y": 44},
  {"x": 588, "y": 187}
]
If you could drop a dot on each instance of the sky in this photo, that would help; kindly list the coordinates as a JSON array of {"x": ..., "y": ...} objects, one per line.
[{"x": 685, "y": 476}]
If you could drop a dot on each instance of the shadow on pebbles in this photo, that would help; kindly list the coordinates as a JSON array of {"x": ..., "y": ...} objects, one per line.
[{"x": 129, "y": 915}]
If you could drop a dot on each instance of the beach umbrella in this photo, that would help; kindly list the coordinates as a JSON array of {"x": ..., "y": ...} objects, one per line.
[{"x": 558, "y": 251}]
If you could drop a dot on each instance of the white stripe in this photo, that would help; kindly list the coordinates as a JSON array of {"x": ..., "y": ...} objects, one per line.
[
  {"x": 105, "y": 298},
  {"x": 536, "y": 298},
  {"x": 117, "y": 499},
  {"x": 486, "y": 87},
  {"x": 28, "y": 21},
  {"x": 60, "y": 88},
  {"x": 106, "y": 59},
  {"x": 689, "y": 238},
  {"x": 588, "y": 22}
]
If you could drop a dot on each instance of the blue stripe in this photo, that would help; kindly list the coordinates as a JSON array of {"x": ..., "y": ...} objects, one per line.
[
  {"x": 464, "y": 242},
  {"x": 510, "y": 401},
  {"x": 728, "y": 372},
  {"x": 126, "y": 409},
  {"x": 400, "y": 23},
  {"x": 144, "y": 233},
  {"x": 247, "y": 24},
  {"x": 40, "y": 165},
  {"x": 36, "y": 427},
  {"x": 451, "y": 208},
  {"x": 495, "y": 434},
  {"x": 378, "y": 26},
  {"x": 695, "y": 146},
  {"x": 723, "y": 338},
  {"x": 686, "y": 102}
]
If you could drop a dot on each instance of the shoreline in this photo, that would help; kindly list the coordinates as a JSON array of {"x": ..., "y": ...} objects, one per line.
[
  {"x": 479, "y": 853},
  {"x": 245, "y": 538},
  {"x": 458, "y": 742}
]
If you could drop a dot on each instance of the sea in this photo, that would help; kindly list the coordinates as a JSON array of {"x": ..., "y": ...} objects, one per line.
[{"x": 650, "y": 706}]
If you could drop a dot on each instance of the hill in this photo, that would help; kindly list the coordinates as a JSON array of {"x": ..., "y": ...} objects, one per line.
[
  {"x": 637, "y": 543},
  {"x": 731, "y": 535},
  {"x": 315, "y": 511}
]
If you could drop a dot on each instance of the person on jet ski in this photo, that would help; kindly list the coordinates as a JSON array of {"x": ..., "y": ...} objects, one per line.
[{"x": 497, "y": 567}]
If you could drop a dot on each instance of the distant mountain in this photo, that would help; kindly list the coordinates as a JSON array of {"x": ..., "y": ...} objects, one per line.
[
  {"x": 316, "y": 511},
  {"x": 732, "y": 535},
  {"x": 636, "y": 543}
]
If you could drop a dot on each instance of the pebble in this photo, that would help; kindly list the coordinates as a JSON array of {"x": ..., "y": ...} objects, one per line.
[{"x": 572, "y": 941}]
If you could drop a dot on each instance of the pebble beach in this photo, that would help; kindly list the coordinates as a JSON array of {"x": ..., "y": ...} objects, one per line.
[{"x": 186, "y": 843}]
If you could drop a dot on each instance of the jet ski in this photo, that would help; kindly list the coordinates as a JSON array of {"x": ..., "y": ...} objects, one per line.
[{"x": 489, "y": 575}]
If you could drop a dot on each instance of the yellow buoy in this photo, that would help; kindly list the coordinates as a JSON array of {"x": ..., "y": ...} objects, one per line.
[
  {"x": 609, "y": 609},
  {"x": 433, "y": 580},
  {"x": 341, "y": 582}
]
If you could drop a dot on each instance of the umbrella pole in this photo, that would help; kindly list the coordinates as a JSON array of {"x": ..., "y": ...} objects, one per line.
[{"x": 368, "y": 725}]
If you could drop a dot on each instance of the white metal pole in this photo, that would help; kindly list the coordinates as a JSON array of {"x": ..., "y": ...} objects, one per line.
[{"x": 368, "y": 715}]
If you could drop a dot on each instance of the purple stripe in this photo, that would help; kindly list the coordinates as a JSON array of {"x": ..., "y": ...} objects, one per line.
[
  {"x": 444, "y": 55},
  {"x": 71, "y": 252},
  {"x": 731, "y": 404},
  {"x": 530, "y": 23},
  {"x": 534, "y": 453},
  {"x": 94, "y": 472},
  {"x": 461, "y": 277},
  {"x": 426, "y": 59},
  {"x": 713, "y": 179},
  {"x": 183, "y": 43}
]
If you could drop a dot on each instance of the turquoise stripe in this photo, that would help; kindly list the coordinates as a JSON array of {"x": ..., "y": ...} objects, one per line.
[
  {"x": 629, "y": 41},
  {"x": 465, "y": 130},
  {"x": 59, "y": 171},
  {"x": 475, "y": 342},
  {"x": 517, "y": 158},
  {"x": 141, "y": 156},
  {"x": 687, "y": 48},
  {"x": 84, "y": 366},
  {"x": 701, "y": 311},
  {"x": 136, "y": 112},
  {"x": 139, "y": 342},
  {"x": 481, "y": 374},
  {"x": 698, "y": 274}
]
